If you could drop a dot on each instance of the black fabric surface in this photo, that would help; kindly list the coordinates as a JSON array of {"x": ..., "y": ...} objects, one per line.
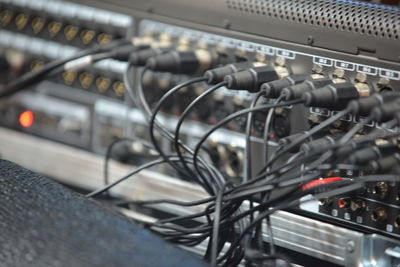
[{"x": 43, "y": 223}]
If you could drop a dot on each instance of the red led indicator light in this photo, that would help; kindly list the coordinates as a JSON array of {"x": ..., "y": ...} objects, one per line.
[{"x": 26, "y": 118}]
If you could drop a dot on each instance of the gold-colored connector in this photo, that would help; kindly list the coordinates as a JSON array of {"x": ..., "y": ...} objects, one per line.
[
  {"x": 102, "y": 84},
  {"x": 36, "y": 65},
  {"x": 54, "y": 28},
  {"x": 104, "y": 38},
  {"x": 37, "y": 24},
  {"x": 69, "y": 77},
  {"x": 5, "y": 17},
  {"x": 70, "y": 32},
  {"x": 21, "y": 20},
  {"x": 85, "y": 80},
  {"x": 87, "y": 36},
  {"x": 119, "y": 88}
]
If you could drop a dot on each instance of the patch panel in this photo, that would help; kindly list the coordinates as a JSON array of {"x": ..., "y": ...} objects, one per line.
[{"x": 63, "y": 22}]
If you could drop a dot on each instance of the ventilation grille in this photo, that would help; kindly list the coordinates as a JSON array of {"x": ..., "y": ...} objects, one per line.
[{"x": 344, "y": 15}]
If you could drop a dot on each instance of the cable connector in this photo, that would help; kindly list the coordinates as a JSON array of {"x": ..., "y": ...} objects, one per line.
[
  {"x": 274, "y": 88},
  {"x": 336, "y": 96},
  {"x": 217, "y": 75},
  {"x": 123, "y": 53},
  {"x": 364, "y": 106},
  {"x": 387, "y": 111},
  {"x": 297, "y": 91},
  {"x": 251, "y": 79},
  {"x": 139, "y": 58},
  {"x": 183, "y": 62},
  {"x": 385, "y": 165},
  {"x": 319, "y": 144},
  {"x": 363, "y": 156}
]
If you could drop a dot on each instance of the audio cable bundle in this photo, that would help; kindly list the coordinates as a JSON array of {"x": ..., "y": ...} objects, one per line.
[{"x": 302, "y": 168}]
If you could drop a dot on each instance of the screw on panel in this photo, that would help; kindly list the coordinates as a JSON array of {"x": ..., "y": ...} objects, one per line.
[
  {"x": 310, "y": 40},
  {"x": 226, "y": 24},
  {"x": 350, "y": 246}
]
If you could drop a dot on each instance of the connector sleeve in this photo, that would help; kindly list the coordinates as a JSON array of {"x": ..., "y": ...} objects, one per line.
[
  {"x": 386, "y": 164},
  {"x": 123, "y": 53},
  {"x": 319, "y": 144},
  {"x": 297, "y": 91},
  {"x": 273, "y": 89},
  {"x": 251, "y": 79},
  {"x": 364, "y": 106},
  {"x": 217, "y": 75},
  {"x": 363, "y": 156},
  {"x": 387, "y": 111},
  {"x": 289, "y": 139},
  {"x": 333, "y": 96},
  {"x": 175, "y": 62},
  {"x": 139, "y": 58}
]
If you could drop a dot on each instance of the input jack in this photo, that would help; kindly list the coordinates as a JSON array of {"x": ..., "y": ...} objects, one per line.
[
  {"x": 70, "y": 32},
  {"x": 379, "y": 215},
  {"x": 104, "y": 38},
  {"x": 381, "y": 189},
  {"x": 5, "y": 17},
  {"x": 37, "y": 24},
  {"x": 397, "y": 221},
  {"x": 54, "y": 28},
  {"x": 102, "y": 84},
  {"x": 69, "y": 77},
  {"x": 357, "y": 205},
  {"x": 21, "y": 20},
  {"x": 325, "y": 202},
  {"x": 119, "y": 88},
  {"x": 85, "y": 80},
  {"x": 87, "y": 36}
]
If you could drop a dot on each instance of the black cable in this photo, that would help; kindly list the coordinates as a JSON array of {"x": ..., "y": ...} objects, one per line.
[
  {"x": 157, "y": 108},
  {"x": 184, "y": 114},
  {"x": 304, "y": 137},
  {"x": 140, "y": 101},
  {"x": 110, "y": 148},
  {"x": 267, "y": 127},
  {"x": 249, "y": 123},
  {"x": 215, "y": 230},
  {"x": 139, "y": 169},
  {"x": 230, "y": 118}
]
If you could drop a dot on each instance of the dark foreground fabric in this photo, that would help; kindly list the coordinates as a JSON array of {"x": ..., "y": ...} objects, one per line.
[{"x": 42, "y": 223}]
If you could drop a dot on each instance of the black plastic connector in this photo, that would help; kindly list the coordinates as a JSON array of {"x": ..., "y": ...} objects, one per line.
[
  {"x": 387, "y": 111},
  {"x": 333, "y": 96},
  {"x": 274, "y": 88},
  {"x": 251, "y": 79},
  {"x": 183, "y": 62},
  {"x": 217, "y": 75},
  {"x": 285, "y": 141},
  {"x": 320, "y": 144},
  {"x": 297, "y": 91},
  {"x": 363, "y": 156},
  {"x": 139, "y": 58},
  {"x": 124, "y": 52},
  {"x": 364, "y": 106},
  {"x": 385, "y": 165}
]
